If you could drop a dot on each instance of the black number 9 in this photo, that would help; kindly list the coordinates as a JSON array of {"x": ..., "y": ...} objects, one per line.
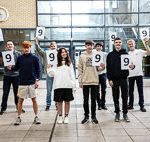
[
  {"x": 144, "y": 33},
  {"x": 40, "y": 32},
  {"x": 126, "y": 61},
  {"x": 112, "y": 36},
  {"x": 51, "y": 56},
  {"x": 97, "y": 57},
  {"x": 8, "y": 57}
]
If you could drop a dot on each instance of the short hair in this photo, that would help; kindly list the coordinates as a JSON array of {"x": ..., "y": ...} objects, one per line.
[
  {"x": 130, "y": 40},
  {"x": 26, "y": 44},
  {"x": 9, "y": 40},
  {"x": 91, "y": 42},
  {"x": 53, "y": 42},
  {"x": 98, "y": 43},
  {"x": 117, "y": 38}
]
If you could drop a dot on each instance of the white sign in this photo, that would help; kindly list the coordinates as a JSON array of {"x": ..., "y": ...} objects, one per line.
[
  {"x": 1, "y": 35},
  {"x": 51, "y": 57},
  {"x": 112, "y": 36},
  {"x": 96, "y": 59},
  {"x": 8, "y": 58},
  {"x": 144, "y": 33},
  {"x": 125, "y": 62},
  {"x": 40, "y": 32}
]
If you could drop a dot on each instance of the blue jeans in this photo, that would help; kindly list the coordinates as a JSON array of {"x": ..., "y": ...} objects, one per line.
[{"x": 49, "y": 85}]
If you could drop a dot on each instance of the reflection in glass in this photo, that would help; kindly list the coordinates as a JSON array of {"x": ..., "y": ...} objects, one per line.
[
  {"x": 88, "y": 6},
  {"x": 53, "y": 7},
  {"x": 88, "y": 20}
]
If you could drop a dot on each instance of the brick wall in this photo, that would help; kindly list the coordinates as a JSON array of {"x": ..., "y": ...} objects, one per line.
[{"x": 22, "y": 13}]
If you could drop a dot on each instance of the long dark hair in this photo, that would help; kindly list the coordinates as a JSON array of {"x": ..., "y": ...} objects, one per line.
[{"x": 60, "y": 59}]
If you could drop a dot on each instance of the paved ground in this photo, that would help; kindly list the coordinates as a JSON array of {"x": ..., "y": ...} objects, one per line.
[{"x": 138, "y": 130}]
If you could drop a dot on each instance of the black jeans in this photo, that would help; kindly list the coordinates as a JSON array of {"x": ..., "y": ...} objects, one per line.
[
  {"x": 89, "y": 89},
  {"x": 117, "y": 84},
  {"x": 102, "y": 82},
  {"x": 139, "y": 83},
  {"x": 7, "y": 81}
]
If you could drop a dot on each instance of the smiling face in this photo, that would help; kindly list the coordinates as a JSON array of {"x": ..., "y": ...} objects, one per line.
[
  {"x": 64, "y": 53},
  {"x": 53, "y": 45},
  {"x": 10, "y": 46},
  {"x": 131, "y": 45},
  {"x": 118, "y": 44}
]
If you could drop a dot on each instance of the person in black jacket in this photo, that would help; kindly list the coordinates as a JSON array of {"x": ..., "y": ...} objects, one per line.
[
  {"x": 29, "y": 75},
  {"x": 10, "y": 77},
  {"x": 118, "y": 79}
]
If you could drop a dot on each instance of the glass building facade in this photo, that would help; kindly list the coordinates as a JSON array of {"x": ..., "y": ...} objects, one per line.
[{"x": 71, "y": 22}]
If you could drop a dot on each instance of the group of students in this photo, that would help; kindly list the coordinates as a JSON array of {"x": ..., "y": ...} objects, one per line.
[{"x": 61, "y": 79}]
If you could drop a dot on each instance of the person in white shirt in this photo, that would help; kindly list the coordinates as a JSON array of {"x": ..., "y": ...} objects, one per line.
[
  {"x": 102, "y": 77},
  {"x": 64, "y": 83},
  {"x": 136, "y": 74}
]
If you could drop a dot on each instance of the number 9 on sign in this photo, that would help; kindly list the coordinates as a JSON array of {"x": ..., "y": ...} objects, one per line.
[
  {"x": 125, "y": 62},
  {"x": 8, "y": 57},
  {"x": 97, "y": 58},
  {"x": 51, "y": 57}
]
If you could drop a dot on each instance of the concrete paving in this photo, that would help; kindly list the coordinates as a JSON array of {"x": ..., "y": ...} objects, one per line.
[{"x": 138, "y": 130}]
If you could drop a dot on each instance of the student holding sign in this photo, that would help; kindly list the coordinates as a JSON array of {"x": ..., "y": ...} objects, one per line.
[
  {"x": 29, "y": 74},
  {"x": 102, "y": 77},
  {"x": 64, "y": 84},
  {"x": 88, "y": 80},
  {"x": 136, "y": 73},
  {"x": 52, "y": 58},
  {"x": 118, "y": 79},
  {"x": 10, "y": 75}
]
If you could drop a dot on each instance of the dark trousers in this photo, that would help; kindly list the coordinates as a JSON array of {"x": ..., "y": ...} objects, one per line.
[
  {"x": 89, "y": 89},
  {"x": 117, "y": 84},
  {"x": 102, "y": 84},
  {"x": 7, "y": 81},
  {"x": 139, "y": 83}
]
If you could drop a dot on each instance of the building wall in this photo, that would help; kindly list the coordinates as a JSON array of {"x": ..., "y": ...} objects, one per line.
[{"x": 22, "y": 13}]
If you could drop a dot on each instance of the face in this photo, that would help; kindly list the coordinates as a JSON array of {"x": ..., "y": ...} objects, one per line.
[
  {"x": 26, "y": 50},
  {"x": 99, "y": 48},
  {"x": 118, "y": 44},
  {"x": 10, "y": 46},
  {"x": 89, "y": 47},
  {"x": 131, "y": 45},
  {"x": 63, "y": 54},
  {"x": 53, "y": 46}
]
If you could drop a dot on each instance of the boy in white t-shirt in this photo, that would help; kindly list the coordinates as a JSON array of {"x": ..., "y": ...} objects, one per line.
[{"x": 136, "y": 74}]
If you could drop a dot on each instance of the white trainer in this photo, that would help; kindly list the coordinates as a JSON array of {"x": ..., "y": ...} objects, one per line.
[
  {"x": 60, "y": 120},
  {"x": 66, "y": 120}
]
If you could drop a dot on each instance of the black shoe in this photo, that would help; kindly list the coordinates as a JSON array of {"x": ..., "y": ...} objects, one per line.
[
  {"x": 130, "y": 107},
  {"x": 117, "y": 117},
  {"x": 125, "y": 117},
  {"x": 47, "y": 108},
  {"x": 104, "y": 107},
  {"x": 85, "y": 120},
  {"x": 143, "y": 109},
  {"x": 1, "y": 112},
  {"x": 23, "y": 111},
  {"x": 94, "y": 120},
  {"x": 99, "y": 108}
]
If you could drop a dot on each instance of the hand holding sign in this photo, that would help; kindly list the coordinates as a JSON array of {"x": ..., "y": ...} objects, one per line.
[
  {"x": 40, "y": 32},
  {"x": 125, "y": 62},
  {"x": 8, "y": 58}
]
